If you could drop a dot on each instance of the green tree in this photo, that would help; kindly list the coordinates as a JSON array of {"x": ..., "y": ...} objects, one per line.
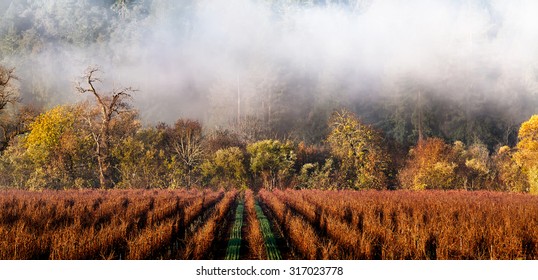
[
  {"x": 363, "y": 161},
  {"x": 226, "y": 168},
  {"x": 272, "y": 160},
  {"x": 140, "y": 164},
  {"x": 312, "y": 175}
]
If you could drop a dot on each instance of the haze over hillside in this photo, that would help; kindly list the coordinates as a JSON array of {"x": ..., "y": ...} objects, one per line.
[{"x": 469, "y": 68}]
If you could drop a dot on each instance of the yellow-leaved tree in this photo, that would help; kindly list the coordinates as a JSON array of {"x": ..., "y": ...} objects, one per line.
[
  {"x": 48, "y": 132},
  {"x": 527, "y": 151},
  {"x": 59, "y": 148},
  {"x": 509, "y": 176},
  {"x": 431, "y": 165},
  {"x": 363, "y": 161}
]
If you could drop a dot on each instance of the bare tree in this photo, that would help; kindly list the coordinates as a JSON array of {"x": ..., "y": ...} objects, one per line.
[
  {"x": 16, "y": 124},
  {"x": 186, "y": 141},
  {"x": 8, "y": 93},
  {"x": 110, "y": 105}
]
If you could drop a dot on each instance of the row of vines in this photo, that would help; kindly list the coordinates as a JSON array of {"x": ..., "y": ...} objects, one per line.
[
  {"x": 406, "y": 225},
  {"x": 289, "y": 224},
  {"x": 123, "y": 224}
]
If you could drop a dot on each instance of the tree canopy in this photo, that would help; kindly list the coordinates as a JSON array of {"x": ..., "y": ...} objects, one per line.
[
  {"x": 527, "y": 151},
  {"x": 271, "y": 159},
  {"x": 363, "y": 161}
]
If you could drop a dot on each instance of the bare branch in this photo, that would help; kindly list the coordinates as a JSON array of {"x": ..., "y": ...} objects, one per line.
[
  {"x": 110, "y": 104},
  {"x": 8, "y": 93}
]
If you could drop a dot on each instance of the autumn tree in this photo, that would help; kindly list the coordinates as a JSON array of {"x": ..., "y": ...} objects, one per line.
[
  {"x": 527, "y": 151},
  {"x": 144, "y": 158},
  {"x": 431, "y": 165},
  {"x": 15, "y": 164},
  {"x": 58, "y": 149},
  {"x": 363, "y": 162},
  {"x": 479, "y": 170},
  {"x": 48, "y": 132},
  {"x": 111, "y": 105},
  {"x": 221, "y": 139},
  {"x": 509, "y": 176},
  {"x": 272, "y": 160}
]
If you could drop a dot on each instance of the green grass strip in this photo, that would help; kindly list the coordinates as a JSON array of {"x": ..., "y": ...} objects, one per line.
[
  {"x": 270, "y": 242},
  {"x": 234, "y": 243}
]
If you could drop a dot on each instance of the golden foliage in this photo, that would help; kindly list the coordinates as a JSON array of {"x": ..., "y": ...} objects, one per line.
[
  {"x": 431, "y": 165},
  {"x": 358, "y": 147},
  {"x": 527, "y": 151}
]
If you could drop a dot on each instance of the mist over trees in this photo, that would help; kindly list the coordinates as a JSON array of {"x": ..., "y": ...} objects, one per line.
[{"x": 446, "y": 81}]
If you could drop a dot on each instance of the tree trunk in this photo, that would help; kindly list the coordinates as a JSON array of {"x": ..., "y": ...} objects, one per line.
[
  {"x": 105, "y": 175},
  {"x": 419, "y": 106},
  {"x": 103, "y": 159}
]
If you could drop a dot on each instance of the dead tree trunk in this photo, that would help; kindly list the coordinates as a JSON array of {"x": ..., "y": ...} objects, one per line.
[{"x": 110, "y": 105}]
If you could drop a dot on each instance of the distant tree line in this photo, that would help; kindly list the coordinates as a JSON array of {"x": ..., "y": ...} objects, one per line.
[
  {"x": 286, "y": 104},
  {"x": 101, "y": 143}
]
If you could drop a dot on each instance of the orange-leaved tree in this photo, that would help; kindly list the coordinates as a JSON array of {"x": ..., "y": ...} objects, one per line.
[{"x": 431, "y": 165}]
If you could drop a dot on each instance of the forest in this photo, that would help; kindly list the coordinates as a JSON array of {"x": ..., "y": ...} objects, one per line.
[
  {"x": 104, "y": 144},
  {"x": 272, "y": 94}
]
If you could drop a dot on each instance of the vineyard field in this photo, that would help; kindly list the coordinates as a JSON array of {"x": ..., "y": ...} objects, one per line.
[{"x": 277, "y": 224}]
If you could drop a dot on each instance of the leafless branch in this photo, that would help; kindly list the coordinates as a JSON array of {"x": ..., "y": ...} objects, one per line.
[{"x": 8, "y": 94}]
